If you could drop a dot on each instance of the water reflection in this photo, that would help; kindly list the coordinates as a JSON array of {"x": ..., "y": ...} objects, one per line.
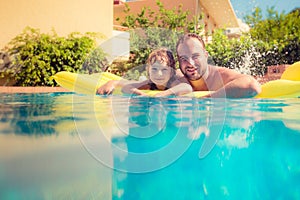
[
  {"x": 157, "y": 135},
  {"x": 42, "y": 160},
  {"x": 35, "y": 114},
  {"x": 252, "y": 150}
]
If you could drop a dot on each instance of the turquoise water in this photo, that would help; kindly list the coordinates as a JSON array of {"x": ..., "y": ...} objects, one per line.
[{"x": 69, "y": 146}]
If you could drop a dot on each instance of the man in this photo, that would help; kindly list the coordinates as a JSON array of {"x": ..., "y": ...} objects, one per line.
[
  {"x": 223, "y": 82},
  {"x": 192, "y": 56}
]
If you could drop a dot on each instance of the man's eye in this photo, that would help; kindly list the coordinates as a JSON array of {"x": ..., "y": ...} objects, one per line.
[
  {"x": 195, "y": 57},
  {"x": 182, "y": 59}
]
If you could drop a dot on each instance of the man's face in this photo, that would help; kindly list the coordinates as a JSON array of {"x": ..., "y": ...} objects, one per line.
[{"x": 192, "y": 59}]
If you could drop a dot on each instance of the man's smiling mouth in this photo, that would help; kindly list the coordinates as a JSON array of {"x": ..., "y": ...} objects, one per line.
[{"x": 191, "y": 70}]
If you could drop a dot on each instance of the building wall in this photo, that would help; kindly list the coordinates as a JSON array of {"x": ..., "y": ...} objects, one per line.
[{"x": 65, "y": 16}]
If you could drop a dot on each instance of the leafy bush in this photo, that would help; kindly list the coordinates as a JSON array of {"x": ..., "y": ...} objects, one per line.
[
  {"x": 37, "y": 56},
  {"x": 172, "y": 19},
  {"x": 273, "y": 41},
  {"x": 144, "y": 41},
  {"x": 243, "y": 54},
  {"x": 279, "y": 32}
]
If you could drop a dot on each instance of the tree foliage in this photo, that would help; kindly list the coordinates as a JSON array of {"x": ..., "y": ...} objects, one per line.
[
  {"x": 242, "y": 54},
  {"x": 37, "y": 56},
  {"x": 175, "y": 19},
  {"x": 280, "y": 32},
  {"x": 271, "y": 41}
]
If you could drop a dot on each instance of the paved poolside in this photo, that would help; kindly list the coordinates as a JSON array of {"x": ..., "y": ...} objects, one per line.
[{"x": 12, "y": 89}]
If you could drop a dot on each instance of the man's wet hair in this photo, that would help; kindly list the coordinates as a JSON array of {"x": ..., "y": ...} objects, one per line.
[{"x": 188, "y": 36}]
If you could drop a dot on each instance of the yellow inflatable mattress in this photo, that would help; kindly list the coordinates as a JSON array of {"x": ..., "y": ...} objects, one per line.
[{"x": 286, "y": 87}]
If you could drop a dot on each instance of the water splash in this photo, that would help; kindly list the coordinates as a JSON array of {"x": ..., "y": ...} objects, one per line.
[{"x": 254, "y": 60}]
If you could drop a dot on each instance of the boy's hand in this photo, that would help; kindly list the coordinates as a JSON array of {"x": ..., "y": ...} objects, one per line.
[{"x": 107, "y": 88}]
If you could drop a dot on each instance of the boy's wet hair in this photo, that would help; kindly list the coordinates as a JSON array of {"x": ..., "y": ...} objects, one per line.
[{"x": 162, "y": 55}]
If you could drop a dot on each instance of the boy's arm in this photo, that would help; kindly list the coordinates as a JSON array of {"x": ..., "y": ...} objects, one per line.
[
  {"x": 134, "y": 87},
  {"x": 110, "y": 86},
  {"x": 177, "y": 89}
]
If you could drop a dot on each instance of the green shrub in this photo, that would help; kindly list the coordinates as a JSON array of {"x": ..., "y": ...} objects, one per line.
[
  {"x": 244, "y": 54},
  {"x": 37, "y": 56},
  {"x": 280, "y": 34},
  {"x": 251, "y": 55},
  {"x": 144, "y": 41}
]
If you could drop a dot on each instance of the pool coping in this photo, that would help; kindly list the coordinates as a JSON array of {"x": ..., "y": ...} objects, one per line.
[{"x": 17, "y": 89}]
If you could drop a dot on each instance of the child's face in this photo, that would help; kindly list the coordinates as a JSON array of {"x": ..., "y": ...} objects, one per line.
[{"x": 160, "y": 73}]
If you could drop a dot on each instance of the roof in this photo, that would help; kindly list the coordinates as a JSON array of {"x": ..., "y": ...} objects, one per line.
[{"x": 221, "y": 11}]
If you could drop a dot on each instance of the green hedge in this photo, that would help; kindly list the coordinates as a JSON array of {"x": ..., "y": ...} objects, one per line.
[{"x": 37, "y": 56}]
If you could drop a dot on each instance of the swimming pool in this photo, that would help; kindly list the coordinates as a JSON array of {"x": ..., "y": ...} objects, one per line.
[{"x": 70, "y": 146}]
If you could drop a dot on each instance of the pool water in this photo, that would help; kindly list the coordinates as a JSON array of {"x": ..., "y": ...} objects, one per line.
[{"x": 70, "y": 146}]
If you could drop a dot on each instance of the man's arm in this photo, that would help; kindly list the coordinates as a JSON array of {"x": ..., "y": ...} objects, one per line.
[{"x": 236, "y": 85}]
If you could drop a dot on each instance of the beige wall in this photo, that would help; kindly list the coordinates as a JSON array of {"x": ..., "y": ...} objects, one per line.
[{"x": 65, "y": 16}]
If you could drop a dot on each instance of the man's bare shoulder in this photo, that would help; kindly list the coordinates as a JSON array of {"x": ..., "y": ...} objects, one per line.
[
  {"x": 225, "y": 70},
  {"x": 228, "y": 73}
]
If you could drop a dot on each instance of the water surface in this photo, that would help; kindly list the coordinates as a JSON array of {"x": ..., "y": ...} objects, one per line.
[{"x": 69, "y": 146}]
